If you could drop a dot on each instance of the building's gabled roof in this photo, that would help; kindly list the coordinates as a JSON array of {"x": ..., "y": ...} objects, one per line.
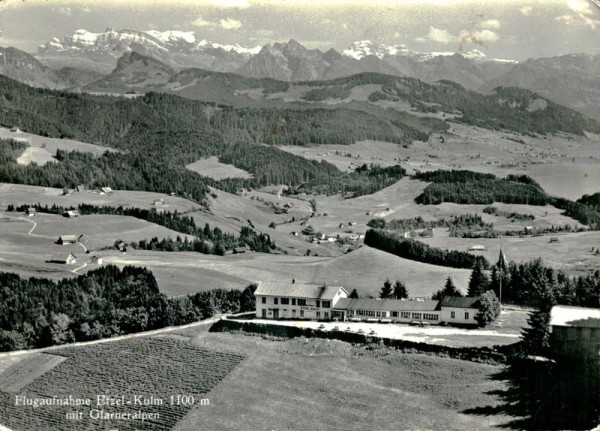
[
  {"x": 68, "y": 238},
  {"x": 297, "y": 290},
  {"x": 459, "y": 302},
  {"x": 61, "y": 257},
  {"x": 563, "y": 315},
  {"x": 31, "y": 209},
  {"x": 385, "y": 305}
]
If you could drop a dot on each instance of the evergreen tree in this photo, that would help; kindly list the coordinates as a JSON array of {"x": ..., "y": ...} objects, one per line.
[
  {"x": 400, "y": 290},
  {"x": 536, "y": 338},
  {"x": 450, "y": 289},
  {"x": 479, "y": 282},
  {"x": 489, "y": 308},
  {"x": 386, "y": 290},
  {"x": 353, "y": 294}
]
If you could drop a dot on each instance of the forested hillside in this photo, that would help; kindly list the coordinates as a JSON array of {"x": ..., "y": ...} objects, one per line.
[
  {"x": 161, "y": 133},
  {"x": 468, "y": 187},
  {"x": 106, "y": 302},
  {"x": 513, "y": 109}
]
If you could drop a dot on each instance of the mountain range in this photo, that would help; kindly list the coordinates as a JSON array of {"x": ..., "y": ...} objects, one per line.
[{"x": 83, "y": 57}]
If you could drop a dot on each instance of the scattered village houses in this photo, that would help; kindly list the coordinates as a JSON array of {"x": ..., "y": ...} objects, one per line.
[
  {"x": 575, "y": 332},
  {"x": 64, "y": 258}
]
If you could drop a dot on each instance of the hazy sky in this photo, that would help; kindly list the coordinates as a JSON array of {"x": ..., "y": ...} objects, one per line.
[{"x": 517, "y": 29}]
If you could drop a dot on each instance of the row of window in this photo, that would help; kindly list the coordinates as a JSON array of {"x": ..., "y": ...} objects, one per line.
[
  {"x": 299, "y": 302},
  {"x": 396, "y": 314},
  {"x": 301, "y": 314}
]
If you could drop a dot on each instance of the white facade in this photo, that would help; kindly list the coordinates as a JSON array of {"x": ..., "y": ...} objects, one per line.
[
  {"x": 461, "y": 316},
  {"x": 296, "y": 301}
]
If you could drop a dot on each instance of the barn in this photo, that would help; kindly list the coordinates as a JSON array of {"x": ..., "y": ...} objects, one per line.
[
  {"x": 64, "y": 258},
  {"x": 31, "y": 211},
  {"x": 67, "y": 239},
  {"x": 71, "y": 213}
]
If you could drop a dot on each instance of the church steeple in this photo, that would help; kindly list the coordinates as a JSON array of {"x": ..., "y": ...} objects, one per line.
[{"x": 502, "y": 261}]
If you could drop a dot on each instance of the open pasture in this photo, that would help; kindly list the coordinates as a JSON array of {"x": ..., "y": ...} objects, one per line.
[
  {"x": 26, "y": 243},
  {"x": 230, "y": 212},
  {"x": 152, "y": 368},
  {"x": 211, "y": 167},
  {"x": 565, "y": 166},
  {"x": 572, "y": 252},
  {"x": 22, "y": 194},
  {"x": 364, "y": 269},
  {"x": 370, "y": 389},
  {"x": 43, "y": 149},
  {"x": 397, "y": 202}
]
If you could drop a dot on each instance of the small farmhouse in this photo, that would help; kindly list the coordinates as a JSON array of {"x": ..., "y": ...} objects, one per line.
[
  {"x": 296, "y": 300},
  {"x": 96, "y": 260},
  {"x": 575, "y": 332},
  {"x": 71, "y": 213},
  {"x": 31, "y": 211},
  {"x": 460, "y": 311},
  {"x": 64, "y": 258},
  {"x": 240, "y": 250},
  {"x": 67, "y": 239},
  {"x": 387, "y": 310},
  {"x": 105, "y": 190}
]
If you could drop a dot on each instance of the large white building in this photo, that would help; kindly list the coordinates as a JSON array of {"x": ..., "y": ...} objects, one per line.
[
  {"x": 311, "y": 301},
  {"x": 296, "y": 300},
  {"x": 387, "y": 310}
]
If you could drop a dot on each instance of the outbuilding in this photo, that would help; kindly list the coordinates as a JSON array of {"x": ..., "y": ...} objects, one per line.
[
  {"x": 31, "y": 211},
  {"x": 575, "y": 332},
  {"x": 64, "y": 258},
  {"x": 67, "y": 239},
  {"x": 459, "y": 310},
  {"x": 71, "y": 213}
]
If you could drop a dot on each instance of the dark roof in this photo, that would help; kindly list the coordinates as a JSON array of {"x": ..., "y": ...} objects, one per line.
[
  {"x": 61, "y": 257},
  {"x": 459, "y": 302},
  {"x": 385, "y": 305},
  {"x": 297, "y": 290}
]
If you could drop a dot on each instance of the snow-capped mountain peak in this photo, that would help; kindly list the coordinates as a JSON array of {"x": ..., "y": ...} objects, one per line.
[
  {"x": 172, "y": 36},
  {"x": 364, "y": 48}
]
